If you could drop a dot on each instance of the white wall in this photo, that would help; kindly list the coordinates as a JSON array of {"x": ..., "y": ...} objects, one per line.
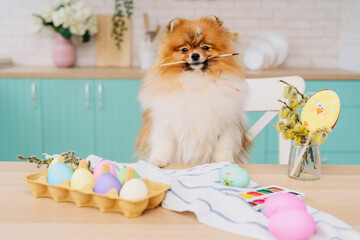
[
  {"x": 349, "y": 55},
  {"x": 314, "y": 27}
]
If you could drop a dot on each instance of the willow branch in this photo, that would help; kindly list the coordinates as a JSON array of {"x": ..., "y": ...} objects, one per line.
[
  {"x": 297, "y": 91},
  {"x": 285, "y": 104}
]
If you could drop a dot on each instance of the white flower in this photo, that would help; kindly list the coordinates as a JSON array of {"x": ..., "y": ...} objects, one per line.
[
  {"x": 92, "y": 25},
  {"x": 63, "y": 2},
  {"x": 81, "y": 12},
  {"x": 75, "y": 16},
  {"x": 47, "y": 14},
  {"x": 36, "y": 24},
  {"x": 63, "y": 17},
  {"x": 78, "y": 28}
]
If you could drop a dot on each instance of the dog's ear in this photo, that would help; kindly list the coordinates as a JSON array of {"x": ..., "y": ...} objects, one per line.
[
  {"x": 173, "y": 24},
  {"x": 214, "y": 19}
]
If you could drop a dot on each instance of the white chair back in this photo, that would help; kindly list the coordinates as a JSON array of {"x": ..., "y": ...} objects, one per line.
[{"x": 263, "y": 94}]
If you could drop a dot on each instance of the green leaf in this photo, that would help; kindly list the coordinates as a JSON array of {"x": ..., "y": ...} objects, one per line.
[
  {"x": 58, "y": 7},
  {"x": 65, "y": 32},
  {"x": 86, "y": 37}
]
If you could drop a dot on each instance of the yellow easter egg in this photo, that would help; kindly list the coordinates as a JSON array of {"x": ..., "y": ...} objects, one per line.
[
  {"x": 81, "y": 178},
  {"x": 321, "y": 110},
  {"x": 61, "y": 159}
]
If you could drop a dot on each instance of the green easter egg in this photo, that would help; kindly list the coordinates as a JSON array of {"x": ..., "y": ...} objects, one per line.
[
  {"x": 121, "y": 175},
  {"x": 234, "y": 176}
]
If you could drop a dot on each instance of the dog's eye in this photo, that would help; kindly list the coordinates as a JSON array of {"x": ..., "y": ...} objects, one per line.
[
  {"x": 184, "y": 50},
  {"x": 205, "y": 48}
]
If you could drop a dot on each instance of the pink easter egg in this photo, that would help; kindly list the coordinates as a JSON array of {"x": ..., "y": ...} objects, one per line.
[
  {"x": 98, "y": 168},
  {"x": 292, "y": 224},
  {"x": 281, "y": 202}
]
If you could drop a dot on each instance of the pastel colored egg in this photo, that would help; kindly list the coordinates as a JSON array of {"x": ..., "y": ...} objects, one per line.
[
  {"x": 121, "y": 175},
  {"x": 292, "y": 224},
  {"x": 98, "y": 168},
  {"x": 61, "y": 159},
  {"x": 235, "y": 176},
  {"x": 59, "y": 172},
  {"x": 134, "y": 189},
  {"x": 281, "y": 202},
  {"x": 105, "y": 182},
  {"x": 81, "y": 178}
]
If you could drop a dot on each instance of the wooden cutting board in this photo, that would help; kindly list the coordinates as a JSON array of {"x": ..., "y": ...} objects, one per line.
[{"x": 107, "y": 53}]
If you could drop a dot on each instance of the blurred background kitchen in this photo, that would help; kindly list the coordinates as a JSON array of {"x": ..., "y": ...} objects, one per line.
[{"x": 91, "y": 108}]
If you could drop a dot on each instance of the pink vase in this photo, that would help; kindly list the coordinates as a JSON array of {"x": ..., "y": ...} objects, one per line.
[{"x": 64, "y": 52}]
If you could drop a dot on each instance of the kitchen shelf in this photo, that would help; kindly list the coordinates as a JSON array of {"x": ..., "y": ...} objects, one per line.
[{"x": 137, "y": 73}]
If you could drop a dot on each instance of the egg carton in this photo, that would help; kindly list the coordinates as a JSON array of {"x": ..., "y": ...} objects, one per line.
[{"x": 109, "y": 202}]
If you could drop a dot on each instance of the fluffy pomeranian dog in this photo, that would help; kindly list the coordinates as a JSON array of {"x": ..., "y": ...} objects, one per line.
[{"x": 193, "y": 112}]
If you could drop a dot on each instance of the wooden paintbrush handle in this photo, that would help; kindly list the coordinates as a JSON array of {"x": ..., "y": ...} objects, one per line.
[
  {"x": 172, "y": 63},
  {"x": 297, "y": 161}
]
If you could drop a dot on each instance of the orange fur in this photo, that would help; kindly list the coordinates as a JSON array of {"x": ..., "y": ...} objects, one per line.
[{"x": 141, "y": 143}]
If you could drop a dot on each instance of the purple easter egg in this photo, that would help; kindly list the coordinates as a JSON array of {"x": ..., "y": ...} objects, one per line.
[{"x": 105, "y": 182}]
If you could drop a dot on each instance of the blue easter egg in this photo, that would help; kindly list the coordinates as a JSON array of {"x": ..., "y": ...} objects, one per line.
[
  {"x": 234, "y": 176},
  {"x": 59, "y": 172}
]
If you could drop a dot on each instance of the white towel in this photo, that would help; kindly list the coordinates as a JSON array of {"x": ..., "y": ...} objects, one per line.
[{"x": 198, "y": 190}]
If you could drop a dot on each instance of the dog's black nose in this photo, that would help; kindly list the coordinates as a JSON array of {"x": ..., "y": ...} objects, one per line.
[{"x": 195, "y": 56}]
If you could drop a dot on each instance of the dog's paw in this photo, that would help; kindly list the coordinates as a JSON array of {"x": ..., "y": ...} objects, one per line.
[{"x": 158, "y": 162}]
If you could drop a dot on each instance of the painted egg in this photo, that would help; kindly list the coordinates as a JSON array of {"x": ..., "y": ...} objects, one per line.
[
  {"x": 321, "y": 110},
  {"x": 281, "y": 202},
  {"x": 134, "y": 189},
  {"x": 130, "y": 172},
  {"x": 235, "y": 176},
  {"x": 106, "y": 182},
  {"x": 59, "y": 172},
  {"x": 61, "y": 159},
  {"x": 292, "y": 224},
  {"x": 98, "y": 168},
  {"x": 81, "y": 178}
]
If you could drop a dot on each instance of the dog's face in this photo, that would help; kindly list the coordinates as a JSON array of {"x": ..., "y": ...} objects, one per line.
[{"x": 194, "y": 41}]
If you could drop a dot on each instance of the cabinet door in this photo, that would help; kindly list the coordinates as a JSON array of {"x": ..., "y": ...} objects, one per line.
[
  {"x": 20, "y": 118},
  {"x": 68, "y": 115},
  {"x": 118, "y": 119}
]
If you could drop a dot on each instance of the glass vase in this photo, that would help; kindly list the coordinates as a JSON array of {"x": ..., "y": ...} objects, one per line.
[{"x": 305, "y": 161}]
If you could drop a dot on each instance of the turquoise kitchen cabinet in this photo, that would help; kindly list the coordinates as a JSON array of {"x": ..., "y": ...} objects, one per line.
[
  {"x": 103, "y": 117},
  {"x": 343, "y": 144},
  {"x": 20, "y": 118},
  {"x": 68, "y": 108},
  {"x": 117, "y": 119}
]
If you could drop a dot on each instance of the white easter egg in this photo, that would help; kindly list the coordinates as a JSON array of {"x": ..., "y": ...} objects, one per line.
[{"x": 134, "y": 189}]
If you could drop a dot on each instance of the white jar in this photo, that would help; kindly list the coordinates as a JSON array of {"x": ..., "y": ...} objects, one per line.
[{"x": 147, "y": 54}]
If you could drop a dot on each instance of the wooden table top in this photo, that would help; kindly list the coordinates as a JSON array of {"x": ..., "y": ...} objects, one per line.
[
  {"x": 24, "y": 217},
  {"x": 137, "y": 73}
]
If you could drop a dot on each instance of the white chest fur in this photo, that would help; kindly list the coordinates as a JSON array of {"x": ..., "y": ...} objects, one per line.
[{"x": 197, "y": 113}]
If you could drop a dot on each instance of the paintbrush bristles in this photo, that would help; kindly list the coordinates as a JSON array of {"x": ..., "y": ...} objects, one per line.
[{"x": 218, "y": 56}]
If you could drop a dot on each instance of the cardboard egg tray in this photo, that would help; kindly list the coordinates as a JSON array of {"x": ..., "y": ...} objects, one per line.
[{"x": 109, "y": 202}]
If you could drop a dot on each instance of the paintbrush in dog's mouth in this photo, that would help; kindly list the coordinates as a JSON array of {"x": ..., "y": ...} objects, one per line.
[{"x": 199, "y": 63}]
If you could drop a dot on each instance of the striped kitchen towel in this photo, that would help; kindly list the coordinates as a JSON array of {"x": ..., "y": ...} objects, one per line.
[{"x": 198, "y": 190}]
